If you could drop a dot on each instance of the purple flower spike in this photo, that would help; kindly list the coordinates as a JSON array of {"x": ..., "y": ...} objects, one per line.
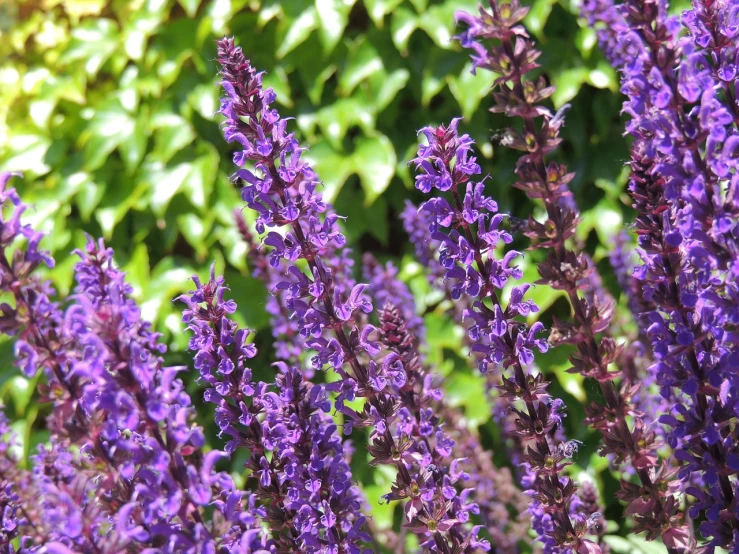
[
  {"x": 296, "y": 454},
  {"x": 281, "y": 189},
  {"x": 681, "y": 100},
  {"x": 466, "y": 252}
]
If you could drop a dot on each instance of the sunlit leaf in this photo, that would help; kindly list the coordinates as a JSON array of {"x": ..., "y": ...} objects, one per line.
[{"x": 374, "y": 160}]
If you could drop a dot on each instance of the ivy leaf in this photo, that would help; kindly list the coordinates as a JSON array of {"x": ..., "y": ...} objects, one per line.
[
  {"x": 133, "y": 146},
  {"x": 112, "y": 126},
  {"x": 363, "y": 61},
  {"x": 332, "y": 168},
  {"x": 469, "y": 90},
  {"x": 190, "y": 6},
  {"x": 298, "y": 32},
  {"x": 439, "y": 64},
  {"x": 335, "y": 120},
  {"x": 165, "y": 184},
  {"x": 438, "y": 23},
  {"x": 378, "y": 9},
  {"x": 333, "y": 15},
  {"x": 374, "y": 161},
  {"x": 568, "y": 83},
  {"x": 92, "y": 43},
  {"x": 116, "y": 203},
  {"x": 402, "y": 25},
  {"x": 27, "y": 153},
  {"x": 538, "y": 15},
  {"x": 468, "y": 390},
  {"x": 173, "y": 133},
  {"x": 385, "y": 87},
  {"x": 198, "y": 185}
]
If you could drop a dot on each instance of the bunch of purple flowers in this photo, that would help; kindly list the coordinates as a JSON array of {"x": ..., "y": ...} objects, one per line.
[{"x": 126, "y": 467}]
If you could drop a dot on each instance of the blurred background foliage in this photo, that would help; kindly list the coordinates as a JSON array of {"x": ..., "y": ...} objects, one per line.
[{"x": 108, "y": 108}]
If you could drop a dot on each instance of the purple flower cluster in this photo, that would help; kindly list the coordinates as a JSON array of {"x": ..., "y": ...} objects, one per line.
[
  {"x": 295, "y": 453},
  {"x": 125, "y": 466},
  {"x": 386, "y": 288},
  {"x": 681, "y": 100},
  {"x": 467, "y": 253},
  {"x": 519, "y": 96},
  {"x": 281, "y": 189},
  {"x": 13, "y": 520}
]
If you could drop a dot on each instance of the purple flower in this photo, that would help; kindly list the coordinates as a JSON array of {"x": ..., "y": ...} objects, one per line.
[
  {"x": 281, "y": 189},
  {"x": 307, "y": 468},
  {"x": 682, "y": 119},
  {"x": 498, "y": 338}
]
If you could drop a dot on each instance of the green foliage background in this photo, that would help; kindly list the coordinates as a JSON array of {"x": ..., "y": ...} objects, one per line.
[{"x": 108, "y": 110}]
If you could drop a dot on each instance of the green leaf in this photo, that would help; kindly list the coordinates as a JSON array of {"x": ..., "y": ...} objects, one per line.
[
  {"x": 278, "y": 80},
  {"x": 420, "y": 5},
  {"x": 438, "y": 23},
  {"x": 378, "y": 9},
  {"x": 385, "y": 87},
  {"x": 195, "y": 230},
  {"x": 89, "y": 196},
  {"x": 92, "y": 43},
  {"x": 166, "y": 282},
  {"x": 27, "y": 153},
  {"x": 469, "y": 90},
  {"x": 333, "y": 15},
  {"x": 362, "y": 62},
  {"x": 110, "y": 127},
  {"x": 137, "y": 269},
  {"x": 402, "y": 25},
  {"x": 172, "y": 134},
  {"x": 21, "y": 391},
  {"x": 190, "y": 6},
  {"x": 468, "y": 390},
  {"x": 332, "y": 168},
  {"x": 116, "y": 204},
  {"x": 165, "y": 184},
  {"x": 382, "y": 510},
  {"x": 604, "y": 218},
  {"x": 336, "y": 119},
  {"x": 374, "y": 161},
  {"x": 298, "y": 32},
  {"x": 133, "y": 146},
  {"x": 537, "y": 17},
  {"x": 604, "y": 76},
  {"x": 198, "y": 186},
  {"x": 568, "y": 83}
]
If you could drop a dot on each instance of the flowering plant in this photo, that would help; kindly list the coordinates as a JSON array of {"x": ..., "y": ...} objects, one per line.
[{"x": 353, "y": 380}]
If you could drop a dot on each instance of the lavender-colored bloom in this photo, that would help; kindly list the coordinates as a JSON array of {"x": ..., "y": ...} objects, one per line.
[
  {"x": 289, "y": 345},
  {"x": 683, "y": 112},
  {"x": 470, "y": 265},
  {"x": 386, "y": 288},
  {"x": 498, "y": 42},
  {"x": 281, "y": 189},
  {"x": 149, "y": 414},
  {"x": 312, "y": 473},
  {"x": 296, "y": 454},
  {"x": 140, "y": 477},
  {"x": 13, "y": 520}
]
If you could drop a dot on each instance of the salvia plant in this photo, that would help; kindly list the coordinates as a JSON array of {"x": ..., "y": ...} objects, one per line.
[{"x": 126, "y": 467}]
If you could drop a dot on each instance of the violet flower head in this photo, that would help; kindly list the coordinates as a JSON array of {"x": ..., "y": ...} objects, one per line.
[
  {"x": 281, "y": 189},
  {"x": 387, "y": 288},
  {"x": 305, "y": 483},
  {"x": 680, "y": 97},
  {"x": 509, "y": 50},
  {"x": 150, "y": 416},
  {"x": 467, "y": 253},
  {"x": 13, "y": 522}
]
